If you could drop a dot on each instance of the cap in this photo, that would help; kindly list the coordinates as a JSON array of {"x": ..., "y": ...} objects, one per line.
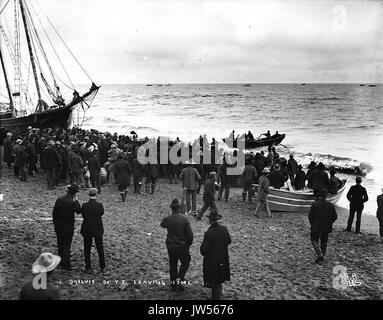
[{"x": 93, "y": 192}]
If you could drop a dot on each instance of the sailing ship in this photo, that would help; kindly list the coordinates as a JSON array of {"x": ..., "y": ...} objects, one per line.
[{"x": 37, "y": 103}]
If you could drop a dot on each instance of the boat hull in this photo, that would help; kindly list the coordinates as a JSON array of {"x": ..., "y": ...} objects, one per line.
[
  {"x": 292, "y": 201},
  {"x": 252, "y": 144},
  {"x": 57, "y": 117}
]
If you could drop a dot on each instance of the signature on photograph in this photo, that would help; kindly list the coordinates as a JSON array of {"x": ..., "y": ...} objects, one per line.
[{"x": 342, "y": 281}]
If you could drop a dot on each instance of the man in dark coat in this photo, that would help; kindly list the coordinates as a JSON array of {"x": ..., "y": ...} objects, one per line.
[
  {"x": 31, "y": 156},
  {"x": 379, "y": 214},
  {"x": 214, "y": 248},
  {"x": 51, "y": 159},
  {"x": 138, "y": 174},
  {"x": 178, "y": 241},
  {"x": 292, "y": 167},
  {"x": 63, "y": 220},
  {"x": 322, "y": 215},
  {"x": 249, "y": 177},
  {"x": 335, "y": 183},
  {"x": 94, "y": 168},
  {"x": 319, "y": 179},
  {"x": 276, "y": 178},
  {"x": 121, "y": 172},
  {"x": 151, "y": 171},
  {"x": 357, "y": 195},
  {"x": 21, "y": 161},
  {"x": 300, "y": 178},
  {"x": 7, "y": 142},
  {"x": 208, "y": 195},
  {"x": 92, "y": 227}
]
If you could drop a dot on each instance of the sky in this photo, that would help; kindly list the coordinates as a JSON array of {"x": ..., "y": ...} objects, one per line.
[{"x": 123, "y": 41}]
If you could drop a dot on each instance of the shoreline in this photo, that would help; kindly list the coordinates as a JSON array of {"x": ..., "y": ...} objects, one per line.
[{"x": 269, "y": 258}]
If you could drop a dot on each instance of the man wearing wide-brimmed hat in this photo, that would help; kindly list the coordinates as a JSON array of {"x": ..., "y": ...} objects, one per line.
[
  {"x": 190, "y": 178},
  {"x": 214, "y": 248},
  {"x": 92, "y": 227},
  {"x": 357, "y": 195},
  {"x": 262, "y": 194},
  {"x": 178, "y": 241},
  {"x": 40, "y": 287},
  {"x": 322, "y": 216},
  {"x": 63, "y": 221}
]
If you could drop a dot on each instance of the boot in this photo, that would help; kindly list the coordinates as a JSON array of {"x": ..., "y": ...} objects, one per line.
[
  {"x": 139, "y": 188},
  {"x": 243, "y": 196},
  {"x": 125, "y": 194},
  {"x": 323, "y": 246},
  {"x": 122, "y": 194},
  {"x": 318, "y": 251},
  {"x": 147, "y": 188},
  {"x": 153, "y": 187}
]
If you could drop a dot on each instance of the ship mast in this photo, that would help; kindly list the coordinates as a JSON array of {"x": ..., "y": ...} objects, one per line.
[
  {"x": 33, "y": 64},
  {"x": 11, "y": 105}
]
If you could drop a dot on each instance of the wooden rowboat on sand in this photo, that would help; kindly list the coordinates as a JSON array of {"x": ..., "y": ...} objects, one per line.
[{"x": 296, "y": 201}]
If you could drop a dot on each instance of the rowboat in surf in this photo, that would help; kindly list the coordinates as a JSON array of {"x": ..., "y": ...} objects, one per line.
[
  {"x": 297, "y": 201},
  {"x": 272, "y": 141}
]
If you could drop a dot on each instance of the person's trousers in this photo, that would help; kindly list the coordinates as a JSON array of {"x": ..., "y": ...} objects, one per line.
[
  {"x": 95, "y": 181},
  {"x": 247, "y": 189},
  {"x": 57, "y": 175},
  {"x": 380, "y": 219},
  {"x": 224, "y": 186},
  {"x": 179, "y": 254},
  {"x": 88, "y": 240},
  {"x": 32, "y": 166},
  {"x": 216, "y": 292},
  {"x": 16, "y": 171},
  {"x": 51, "y": 177},
  {"x": 208, "y": 203},
  {"x": 358, "y": 210},
  {"x": 320, "y": 248},
  {"x": 76, "y": 178},
  {"x": 64, "y": 243},
  {"x": 263, "y": 206},
  {"x": 193, "y": 195}
]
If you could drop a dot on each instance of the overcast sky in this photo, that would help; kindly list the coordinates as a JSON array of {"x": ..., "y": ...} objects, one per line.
[{"x": 122, "y": 41}]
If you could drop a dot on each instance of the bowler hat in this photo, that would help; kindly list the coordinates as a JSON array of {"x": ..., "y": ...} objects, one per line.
[
  {"x": 214, "y": 215},
  {"x": 46, "y": 262},
  {"x": 266, "y": 170},
  {"x": 73, "y": 189},
  {"x": 212, "y": 174},
  {"x": 358, "y": 179}
]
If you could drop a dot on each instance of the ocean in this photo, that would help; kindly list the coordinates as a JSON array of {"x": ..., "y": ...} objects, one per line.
[{"x": 340, "y": 124}]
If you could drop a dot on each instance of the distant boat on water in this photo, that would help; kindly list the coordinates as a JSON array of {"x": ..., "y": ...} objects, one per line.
[
  {"x": 247, "y": 85},
  {"x": 372, "y": 85},
  {"x": 361, "y": 85},
  {"x": 303, "y": 84}
]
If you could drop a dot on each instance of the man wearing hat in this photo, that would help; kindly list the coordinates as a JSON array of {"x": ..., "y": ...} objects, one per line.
[
  {"x": 63, "y": 221},
  {"x": 214, "y": 248},
  {"x": 92, "y": 227},
  {"x": 21, "y": 161},
  {"x": 357, "y": 195},
  {"x": 178, "y": 241},
  {"x": 51, "y": 159},
  {"x": 276, "y": 178},
  {"x": 319, "y": 179},
  {"x": 190, "y": 178},
  {"x": 208, "y": 195},
  {"x": 263, "y": 192},
  {"x": 7, "y": 142},
  {"x": 292, "y": 167},
  {"x": 379, "y": 214},
  {"x": 249, "y": 177},
  {"x": 322, "y": 216},
  {"x": 300, "y": 178},
  {"x": 40, "y": 287}
]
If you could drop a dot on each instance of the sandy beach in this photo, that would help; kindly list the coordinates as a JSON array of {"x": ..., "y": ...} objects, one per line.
[{"x": 270, "y": 258}]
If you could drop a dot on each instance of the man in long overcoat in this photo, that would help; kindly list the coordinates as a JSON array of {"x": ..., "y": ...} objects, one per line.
[
  {"x": 322, "y": 215},
  {"x": 63, "y": 220},
  {"x": 214, "y": 248},
  {"x": 92, "y": 227},
  {"x": 121, "y": 171}
]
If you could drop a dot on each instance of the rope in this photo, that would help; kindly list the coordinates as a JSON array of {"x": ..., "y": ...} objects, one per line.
[
  {"x": 54, "y": 49},
  {"x": 62, "y": 40},
  {"x": 4, "y": 7}
]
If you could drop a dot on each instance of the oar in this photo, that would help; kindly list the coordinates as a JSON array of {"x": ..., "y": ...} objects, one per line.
[{"x": 283, "y": 145}]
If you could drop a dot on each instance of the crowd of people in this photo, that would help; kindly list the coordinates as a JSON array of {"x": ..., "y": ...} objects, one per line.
[{"x": 87, "y": 159}]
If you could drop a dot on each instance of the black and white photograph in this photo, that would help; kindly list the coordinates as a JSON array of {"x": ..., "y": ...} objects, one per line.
[{"x": 175, "y": 151}]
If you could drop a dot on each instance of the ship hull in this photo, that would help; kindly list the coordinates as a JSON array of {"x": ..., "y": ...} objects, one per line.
[{"x": 57, "y": 117}]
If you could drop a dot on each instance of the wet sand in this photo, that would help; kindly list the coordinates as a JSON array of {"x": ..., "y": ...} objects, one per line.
[{"x": 270, "y": 258}]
